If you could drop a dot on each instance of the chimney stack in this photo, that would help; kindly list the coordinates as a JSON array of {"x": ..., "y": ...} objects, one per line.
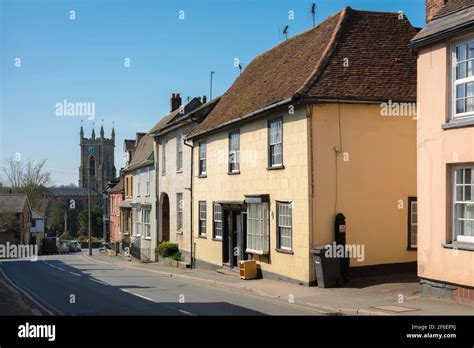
[
  {"x": 432, "y": 7},
  {"x": 204, "y": 99},
  {"x": 175, "y": 102}
]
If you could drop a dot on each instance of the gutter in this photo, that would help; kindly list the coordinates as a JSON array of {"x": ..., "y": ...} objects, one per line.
[
  {"x": 441, "y": 35},
  {"x": 245, "y": 117}
]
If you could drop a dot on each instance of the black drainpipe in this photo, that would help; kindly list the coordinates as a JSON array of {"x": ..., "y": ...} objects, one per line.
[{"x": 191, "y": 192}]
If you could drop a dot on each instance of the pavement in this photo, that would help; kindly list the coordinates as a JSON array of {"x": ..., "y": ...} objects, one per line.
[
  {"x": 77, "y": 284},
  {"x": 391, "y": 295}
]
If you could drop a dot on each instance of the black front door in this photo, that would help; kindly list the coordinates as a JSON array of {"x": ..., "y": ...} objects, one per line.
[{"x": 233, "y": 246}]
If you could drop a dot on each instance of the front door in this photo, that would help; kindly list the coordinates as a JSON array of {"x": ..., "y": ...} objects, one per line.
[{"x": 233, "y": 248}]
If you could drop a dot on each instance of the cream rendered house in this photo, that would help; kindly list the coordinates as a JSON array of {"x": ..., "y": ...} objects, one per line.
[
  {"x": 445, "y": 142},
  {"x": 174, "y": 170},
  {"x": 306, "y": 133}
]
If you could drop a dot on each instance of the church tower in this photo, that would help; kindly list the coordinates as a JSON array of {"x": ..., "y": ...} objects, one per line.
[{"x": 98, "y": 155}]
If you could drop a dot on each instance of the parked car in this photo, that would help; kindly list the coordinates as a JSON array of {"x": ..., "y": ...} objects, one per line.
[
  {"x": 63, "y": 249},
  {"x": 50, "y": 245},
  {"x": 74, "y": 246}
]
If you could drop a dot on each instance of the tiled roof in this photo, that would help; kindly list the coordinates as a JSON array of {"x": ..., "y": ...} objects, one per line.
[
  {"x": 12, "y": 203},
  {"x": 452, "y": 6},
  {"x": 69, "y": 191},
  {"x": 143, "y": 152},
  {"x": 310, "y": 65},
  {"x": 117, "y": 188}
]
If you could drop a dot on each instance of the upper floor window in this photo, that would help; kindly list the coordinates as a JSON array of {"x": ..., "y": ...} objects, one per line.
[
  {"x": 463, "y": 79},
  {"x": 179, "y": 152},
  {"x": 148, "y": 177},
  {"x": 138, "y": 183},
  {"x": 275, "y": 143},
  {"x": 163, "y": 157},
  {"x": 412, "y": 223},
  {"x": 202, "y": 158},
  {"x": 234, "y": 152}
]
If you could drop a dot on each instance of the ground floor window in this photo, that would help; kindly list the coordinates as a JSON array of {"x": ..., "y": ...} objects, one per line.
[
  {"x": 258, "y": 239},
  {"x": 137, "y": 219},
  {"x": 146, "y": 223},
  {"x": 218, "y": 221},
  {"x": 412, "y": 222},
  {"x": 179, "y": 211},
  {"x": 284, "y": 223},
  {"x": 202, "y": 218},
  {"x": 463, "y": 204}
]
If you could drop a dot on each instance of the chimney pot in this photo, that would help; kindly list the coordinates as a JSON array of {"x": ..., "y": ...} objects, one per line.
[{"x": 204, "y": 99}]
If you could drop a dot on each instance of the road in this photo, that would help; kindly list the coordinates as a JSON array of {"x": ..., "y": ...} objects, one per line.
[{"x": 74, "y": 285}]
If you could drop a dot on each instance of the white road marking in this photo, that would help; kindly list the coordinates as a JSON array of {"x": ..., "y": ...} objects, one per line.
[
  {"x": 44, "y": 258},
  {"x": 75, "y": 274},
  {"x": 61, "y": 269},
  {"x": 141, "y": 296},
  {"x": 98, "y": 281},
  {"x": 186, "y": 312}
]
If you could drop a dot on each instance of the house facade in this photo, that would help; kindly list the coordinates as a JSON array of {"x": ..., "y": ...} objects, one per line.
[
  {"x": 300, "y": 138},
  {"x": 115, "y": 198},
  {"x": 141, "y": 169},
  {"x": 174, "y": 170},
  {"x": 445, "y": 142},
  {"x": 15, "y": 210}
]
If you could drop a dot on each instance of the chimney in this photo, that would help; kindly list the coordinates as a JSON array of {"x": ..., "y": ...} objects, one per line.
[
  {"x": 175, "y": 102},
  {"x": 204, "y": 99},
  {"x": 432, "y": 7}
]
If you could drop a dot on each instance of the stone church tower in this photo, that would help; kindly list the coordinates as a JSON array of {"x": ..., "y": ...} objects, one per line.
[{"x": 97, "y": 154}]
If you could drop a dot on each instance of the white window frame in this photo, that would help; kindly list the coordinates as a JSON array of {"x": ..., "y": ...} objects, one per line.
[
  {"x": 179, "y": 211},
  {"x": 202, "y": 218},
  {"x": 138, "y": 183},
  {"x": 271, "y": 144},
  {"x": 279, "y": 224},
  {"x": 202, "y": 159},
  {"x": 456, "y": 201},
  {"x": 218, "y": 221},
  {"x": 455, "y": 82},
  {"x": 179, "y": 153},
  {"x": 163, "y": 157},
  {"x": 146, "y": 223},
  {"x": 258, "y": 235},
  {"x": 148, "y": 180},
  {"x": 137, "y": 222},
  {"x": 413, "y": 223},
  {"x": 234, "y": 152}
]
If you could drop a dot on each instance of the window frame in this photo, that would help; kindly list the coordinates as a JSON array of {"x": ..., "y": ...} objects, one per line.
[
  {"x": 410, "y": 223},
  {"x": 179, "y": 211},
  {"x": 163, "y": 157},
  {"x": 146, "y": 226},
  {"x": 230, "y": 168},
  {"x": 265, "y": 229},
  {"x": 202, "y": 160},
  {"x": 136, "y": 219},
  {"x": 270, "y": 163},
  {"x": 455, "y": 82},
  {"x": 202, "y": 234},
  {"x": 148, "y": 181},
  {"x": 179, "y": 153},
  {"x": 278, "y": 226},
  {"x": 454, "y": 236},
  {"x": 214, "y": 221}
]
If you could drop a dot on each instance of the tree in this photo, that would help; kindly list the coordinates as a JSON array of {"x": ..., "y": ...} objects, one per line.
[
  {"x": 56, "y": 216},
  {"x": 96, "y": 221},
  {"x": 28, "y": 177}
]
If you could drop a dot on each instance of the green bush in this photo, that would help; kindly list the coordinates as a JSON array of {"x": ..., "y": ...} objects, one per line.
[
  {"x": 167, "y": 249},
  {"x": 176, "y": 257},
  {"x": 65, "y": 237}
]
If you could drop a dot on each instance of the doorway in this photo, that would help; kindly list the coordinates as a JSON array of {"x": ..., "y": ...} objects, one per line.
[
  {"x": 165, "y": 218},
  {"x": 234, "y": 237}
]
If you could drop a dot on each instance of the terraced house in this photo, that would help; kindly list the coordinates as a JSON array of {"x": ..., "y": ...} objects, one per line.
[
  {"x": 174, "y": 170},
  {"x": 306, "y": 133},
  {"x": 445, "y": 49}
]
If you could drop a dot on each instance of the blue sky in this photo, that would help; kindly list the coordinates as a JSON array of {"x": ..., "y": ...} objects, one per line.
[{"x": 82, "y": 60}]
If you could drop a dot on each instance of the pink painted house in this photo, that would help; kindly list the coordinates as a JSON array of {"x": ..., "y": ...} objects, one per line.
[{"x": 115, "y": 198}]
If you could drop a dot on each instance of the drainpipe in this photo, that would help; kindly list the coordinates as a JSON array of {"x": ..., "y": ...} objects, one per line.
[{"x": 191, "y": 193}]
